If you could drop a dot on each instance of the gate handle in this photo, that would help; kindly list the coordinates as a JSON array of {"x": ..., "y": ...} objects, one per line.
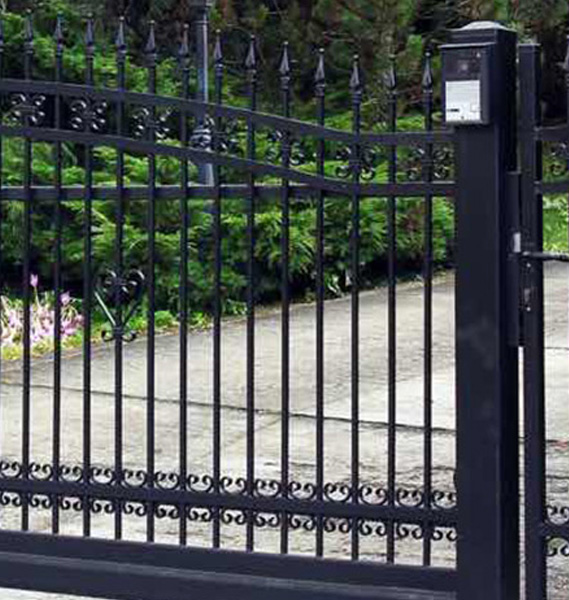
[{"x": 546, "y": 256}]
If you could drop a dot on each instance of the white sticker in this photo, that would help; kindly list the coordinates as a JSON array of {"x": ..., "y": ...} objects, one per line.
[{"x": 463, "y": 101}]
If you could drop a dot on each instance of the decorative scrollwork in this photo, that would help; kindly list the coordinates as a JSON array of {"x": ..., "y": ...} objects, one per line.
[
  {"x": 166, "y": 481},
  {"x": 302, "y": 491},
  {"x": 267, "y": 488},
  {"x": 40, "y": 501},
  {"x": 337, "y": 524},
  {"x": 71, "y": 474},
  {"x": 150, "y": 124},
  {"x": 284, "y": 145},
  {"x": 102, "y": 476},
  {"x": 233, "y": 517},
  {"x": 226, "y": 137},
  {"x": 409, "y": 498},
  {"x": 557, "y": 547},
  {"x": 137, "y": 509},
  {"x": 40, "y": 472},
  {"x": 360, "y": 162},
  {"x": 13, "y": 499},
  {"x": 135, "y": 479},
  {"x": 433, "y": 163},
  {"x": 167, "y": 511},
  {"x": 203, "y": 484},
  {"x": 88, "y": 115},
  {"x": 202, "y": 137},
  {"x": 234, "y": 487},
  {"x": 438, "y": 534},
  {"x": 267, "y": 520},
  {"x": 106, "y": 507},
  {"x": 69, "y": 503},
  {"x": 26, "y": 109},
  {"x": 558, "y": 163},
  {"x": 373, "y": 496},
  {"x": 10, "y": 470},
  {"x": 304, "y": 522},
  {"x": 199, "y": 514},
  {"x": 119, "y": 296},
  {"x": 100, "y": 484},
  {"x": 558, "y": 514},
  {"x": 443, "y": 500},
  {"x": 337, "y": 492}
]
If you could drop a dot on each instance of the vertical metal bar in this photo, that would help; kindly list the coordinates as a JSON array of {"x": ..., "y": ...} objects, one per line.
[
  {"x": 251, "y": 67},
  {"x": 202, "y": 59},
  {"x": 357, "y": 166},
  {"x": 27, "y": 246},
  {"x": 320, "y": 81},
  {"x": 119, "y": 267},
  {"x": 285, "y": 73},
  {"x": 391, "y": 81},
  {"x": 428, "y": 168},
  {"x": 56, "y": 455},
  {"x": 151, "y": 57},
  {"x": 184, "y": 270},
  {"x": 533, "y": 326},
  {"x": 566, "y": 70},
  {"x": 486, "y": 362},
  {"x": 1, "y": 217},
  {"x": 87, "y": 285},
  {"x": 219, "y": 71}
]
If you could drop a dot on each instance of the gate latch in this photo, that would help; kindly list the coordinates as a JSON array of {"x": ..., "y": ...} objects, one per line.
[{"x": 545, "y": 256}]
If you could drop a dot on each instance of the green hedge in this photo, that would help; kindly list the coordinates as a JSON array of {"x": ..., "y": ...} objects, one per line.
[{"x": 410, "y": 240}]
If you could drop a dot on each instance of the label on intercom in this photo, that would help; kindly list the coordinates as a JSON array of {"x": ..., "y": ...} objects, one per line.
[{"x": 463, "y": 101}]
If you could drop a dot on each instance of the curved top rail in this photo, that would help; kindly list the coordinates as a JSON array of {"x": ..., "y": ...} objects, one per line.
[
  {"x": 197, "y": 156},
  {"x": 199, "y": 109}
]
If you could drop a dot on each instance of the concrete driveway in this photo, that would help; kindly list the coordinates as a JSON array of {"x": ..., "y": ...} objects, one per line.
[{"x": 373, "y": 409}]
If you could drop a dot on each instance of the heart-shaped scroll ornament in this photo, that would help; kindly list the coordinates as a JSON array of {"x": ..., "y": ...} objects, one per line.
[{"x": 119, "y": 296}]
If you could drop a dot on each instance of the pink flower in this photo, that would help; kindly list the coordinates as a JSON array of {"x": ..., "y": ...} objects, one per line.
[
  {"x": 34, "y": 280},
  {"x": 65, "y": 298}
]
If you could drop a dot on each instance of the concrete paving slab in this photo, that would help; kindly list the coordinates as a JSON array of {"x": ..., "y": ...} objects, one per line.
[{"x": 373, "y": 411}]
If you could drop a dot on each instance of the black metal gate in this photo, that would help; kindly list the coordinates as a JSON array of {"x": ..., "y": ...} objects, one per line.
[
  {"x": 544, "y": 180},
  {"x": 71, "y": 492}
]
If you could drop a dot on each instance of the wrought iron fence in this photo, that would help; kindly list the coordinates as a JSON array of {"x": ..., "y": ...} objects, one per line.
[{"x": 75, "y": 459}]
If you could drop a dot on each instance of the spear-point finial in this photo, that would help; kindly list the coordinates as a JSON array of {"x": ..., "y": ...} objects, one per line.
[
  {"x": 218, "y": 49},
  {"x": 566, "y": 61},
  {"x": 251, "y": 60},
  {"x": 284, "y": 68},
  {"x": 184, "y": 51},
  {"x": 320, "y": 75},
  {"x": 120, "y": 41},
  {"x": 427, "y": 81},
  {"x": 29, "y": 32},
  {"x": 356, "y": 78},
  {"x": 391, "y": 75},
  {"x": 58, "y": 34},
  {"x": 1, "y": 34},
  {"x": 150, "y": 49},
  {"x": 218, "y": 55},
  {"x": 90, "y": 34}
]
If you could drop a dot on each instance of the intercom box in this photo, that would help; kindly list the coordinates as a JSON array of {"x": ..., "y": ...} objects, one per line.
[{"x": 466, "y": 84}]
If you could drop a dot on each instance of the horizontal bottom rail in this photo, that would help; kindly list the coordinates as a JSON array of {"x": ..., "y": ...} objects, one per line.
[{"x": 137, "y": 571}]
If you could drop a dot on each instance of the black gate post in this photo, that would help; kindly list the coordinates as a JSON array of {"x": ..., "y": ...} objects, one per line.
[{"x": 487, "y": 364}]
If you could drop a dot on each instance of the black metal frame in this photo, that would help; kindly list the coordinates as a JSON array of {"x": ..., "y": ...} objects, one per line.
[
  {"x": 87, "y": 116},
  {"x": 546, "y": 524}
]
